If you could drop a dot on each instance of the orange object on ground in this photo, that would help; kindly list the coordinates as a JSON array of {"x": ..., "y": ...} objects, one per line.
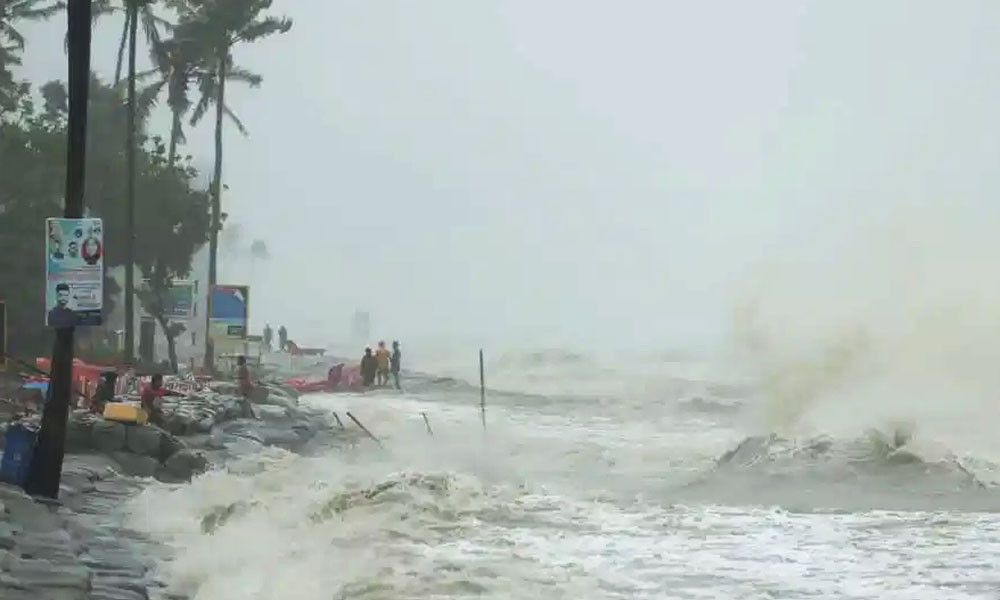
[{"x": 125, "y": 412}]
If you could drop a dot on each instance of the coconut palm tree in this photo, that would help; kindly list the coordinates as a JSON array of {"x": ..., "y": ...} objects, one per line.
[
  {"x": 152, "y": 25},
  {"x": 224, "y": 24},
  {"x": 134, "y": 11},
  {"x": 12, "y": 41}
]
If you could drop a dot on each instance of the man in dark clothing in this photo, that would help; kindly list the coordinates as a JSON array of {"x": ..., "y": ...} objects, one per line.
[
  {"x": 105, "y": 392},
  {"x": 369, "y": 367},
  {"x": 396, "y": 359},
  {"x": 282, "y": 338},
  {"x": 61, "y": 314},
  {"x": 246, "y": 386}
]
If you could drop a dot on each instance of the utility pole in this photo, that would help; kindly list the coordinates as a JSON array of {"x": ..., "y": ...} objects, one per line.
[
  {"x": 132, "y": 15},
  {"x": 46, "y": 467}
]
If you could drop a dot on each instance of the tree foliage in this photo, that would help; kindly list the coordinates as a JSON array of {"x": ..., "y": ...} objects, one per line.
[
  {"x": 12, "y": 43},
  {"x": 173, "y": 216},
  {"x": 171, "y": 212}
]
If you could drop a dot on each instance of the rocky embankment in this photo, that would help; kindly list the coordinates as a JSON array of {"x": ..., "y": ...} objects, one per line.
[{"x": 77, "y": 548}]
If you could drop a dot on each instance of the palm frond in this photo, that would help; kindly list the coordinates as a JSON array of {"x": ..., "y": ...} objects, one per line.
[
  {"x": 236, "y": 120},
  {"x": 145, "y": 75},
  {"x": 146, "y": 99},
  {"x": 12, "y": 34},
  {"x": 103, "y": 8},
  {"x": 151, "y": 26},
  {"x": 26, "y": 10},
  {"x": 263, "y": 28},
  {"x": 206, "y": 85},
  {"x": 245, "y": 76}
]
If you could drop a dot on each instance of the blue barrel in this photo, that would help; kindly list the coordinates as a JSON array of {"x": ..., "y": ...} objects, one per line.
[{"x": 19, "y": 447}]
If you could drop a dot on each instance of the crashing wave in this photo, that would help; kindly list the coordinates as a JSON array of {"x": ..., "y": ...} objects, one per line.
[{"x": 887, "y": 470}]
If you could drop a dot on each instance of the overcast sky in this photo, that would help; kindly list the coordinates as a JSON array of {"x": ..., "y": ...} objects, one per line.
[{"x": 577, "y": 172}]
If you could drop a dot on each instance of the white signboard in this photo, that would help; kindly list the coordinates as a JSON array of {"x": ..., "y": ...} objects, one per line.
[{"x": 74, "y": 272}]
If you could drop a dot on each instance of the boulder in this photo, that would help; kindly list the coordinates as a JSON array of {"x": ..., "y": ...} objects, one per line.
[
  {"x": 184, "y": 465},
  {"x": 305, "y": 428},
  {"x": 224, "y": 387},
  {"x": 259, "y": 394},
  {"x": 271, "y": 413},
  {"x": 78, "y": 434},
  {"x": 204, "y": 425},
  {"x": 8, "y": 535},
  {"x": 108, "y": 436},
  {"x": 282, "y": 401},
  {"x": 42, "y": 573},
  {"x": 169, "y": 445},
  {"x": 105, "y": 592},
  {"x": 281, "y": 437},
  {"x": 136, "y": 465},
  {"x": 143, "y": 440}
]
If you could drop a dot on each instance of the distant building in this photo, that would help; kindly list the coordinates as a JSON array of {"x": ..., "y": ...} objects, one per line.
[
  {"x": 191, "y": 343},
  {"x": 361, "y": 326}
]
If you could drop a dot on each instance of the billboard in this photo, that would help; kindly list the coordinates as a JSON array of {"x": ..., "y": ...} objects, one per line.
[
  {"x": 229, "y": 311},
  {"x": 74, "y": 272},
  {"x": 179, "y": 303}
]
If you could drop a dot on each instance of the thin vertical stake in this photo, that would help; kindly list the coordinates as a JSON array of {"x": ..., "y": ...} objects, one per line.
[{"x": 482, "y": 388}]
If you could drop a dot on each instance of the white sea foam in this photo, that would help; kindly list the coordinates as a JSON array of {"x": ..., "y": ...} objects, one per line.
[{"x": 588, "y": 500}]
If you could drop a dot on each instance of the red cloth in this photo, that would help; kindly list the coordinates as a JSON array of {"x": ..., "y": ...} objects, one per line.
[{"x": 85, "y": 377}]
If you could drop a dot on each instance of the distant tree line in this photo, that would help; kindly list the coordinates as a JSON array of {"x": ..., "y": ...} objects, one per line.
[{"x": 190, "y": 44}]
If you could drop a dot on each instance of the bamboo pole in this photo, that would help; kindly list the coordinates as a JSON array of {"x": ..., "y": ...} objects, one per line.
[
  {"x": 363, "y": 428},
  {"x": 482, "y": 389}
]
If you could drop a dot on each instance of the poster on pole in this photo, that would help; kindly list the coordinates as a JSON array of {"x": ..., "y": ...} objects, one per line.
[
  {"x": 178, "y": 300},
  {"x": 74, "y": 272},
  {"x": 3, "y": 336},
  {"x": 229, "y": 310}
]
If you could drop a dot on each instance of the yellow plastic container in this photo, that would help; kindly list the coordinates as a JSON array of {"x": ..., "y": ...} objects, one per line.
[{"x": 126, "y": 412}]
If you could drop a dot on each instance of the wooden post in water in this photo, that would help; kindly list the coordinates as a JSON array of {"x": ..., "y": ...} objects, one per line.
[
  {"x": 365, "y": 429},
  {"x": 428, "y": 424},
  {"x": 482, "y": 389}
]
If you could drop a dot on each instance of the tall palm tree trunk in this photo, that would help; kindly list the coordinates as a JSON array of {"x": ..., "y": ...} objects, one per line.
[
  {"x": 213, "y": 244},
  {"x": 130, "y": 159},
  {"x": 175, "y": 133},
  {"x": 121, "y": 47}
]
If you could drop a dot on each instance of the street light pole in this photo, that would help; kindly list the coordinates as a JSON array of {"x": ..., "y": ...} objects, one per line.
[{"x": 46, "y": 466}]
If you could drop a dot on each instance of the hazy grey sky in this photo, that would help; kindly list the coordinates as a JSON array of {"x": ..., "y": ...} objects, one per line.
[{"x": 555, "y": 172}]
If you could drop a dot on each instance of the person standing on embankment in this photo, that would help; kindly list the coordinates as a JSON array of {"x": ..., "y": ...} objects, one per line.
[
  {"x": 246, "y": 386},
  {"x": 368, "y": 368},
  {"x": 382, "y": 361},
  {"x": 396, "y": 361}
]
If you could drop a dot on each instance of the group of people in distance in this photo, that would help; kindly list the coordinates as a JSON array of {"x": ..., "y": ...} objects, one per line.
[
  {"x": 376, "y": 367},
  {"x": 268, "y": 338}
]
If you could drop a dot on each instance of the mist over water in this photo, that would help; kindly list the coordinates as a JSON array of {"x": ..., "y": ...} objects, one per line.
[{"x": 897, "y": 323}]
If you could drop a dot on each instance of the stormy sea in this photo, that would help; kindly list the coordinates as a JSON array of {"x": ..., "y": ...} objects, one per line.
[{"x": 662, "y": 477}]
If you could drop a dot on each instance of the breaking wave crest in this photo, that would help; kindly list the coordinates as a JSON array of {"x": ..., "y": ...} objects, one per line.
[{"x": 874, "y": 470}]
